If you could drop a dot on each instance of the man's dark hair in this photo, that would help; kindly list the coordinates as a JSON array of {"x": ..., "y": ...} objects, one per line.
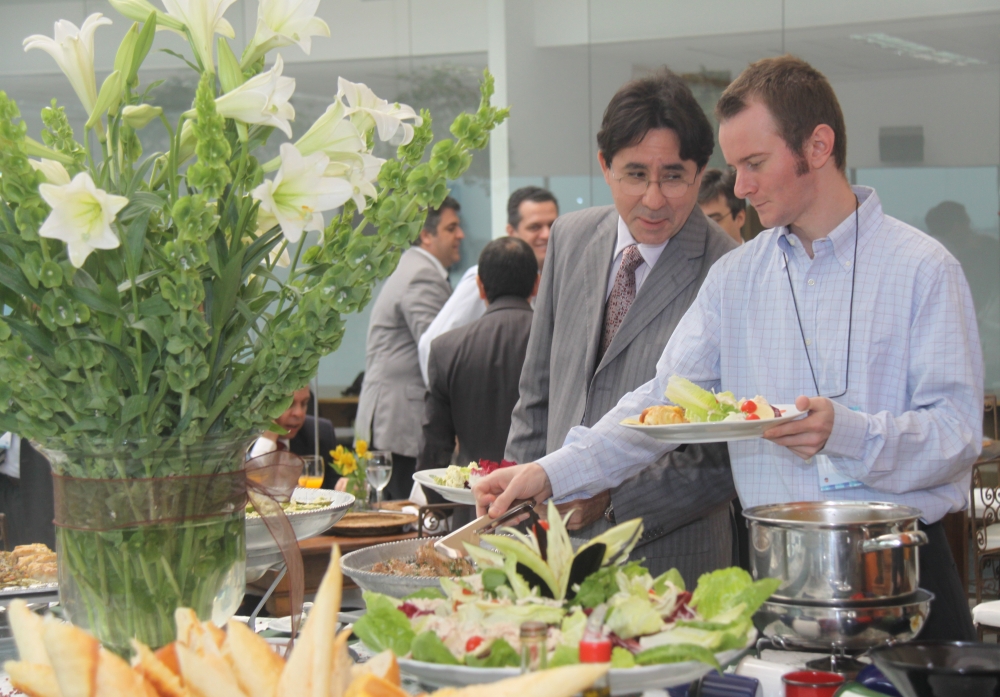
[
  {"x": 535, "y": 194},
  {"x": 799, "y": 99},
  {"x": 507, "y": 266},
  {"x": 662, "y": 100},
  {"x": 716, "y": 183},
  {"x": 434, "y": 215}
]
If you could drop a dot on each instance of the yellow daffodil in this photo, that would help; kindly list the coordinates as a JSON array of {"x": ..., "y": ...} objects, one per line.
[{"x": 361, "y": 448}]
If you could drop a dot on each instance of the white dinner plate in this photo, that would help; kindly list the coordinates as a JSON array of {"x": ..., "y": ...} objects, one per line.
[
  {"x": 624, "y": 681},
  {"x": 713, "y": 431},
  {"x": 450, "y": 493}
]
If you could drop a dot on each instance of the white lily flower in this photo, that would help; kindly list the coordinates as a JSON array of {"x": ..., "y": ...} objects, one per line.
[
  {"x": 73, "y": 50},
  {"x": 53, "y": 171},
  {"x": 203, "y": 19},
  {"x": 139, "y": 10},
  {"x": 283, "y": 23},
  {"x": 332, "y": 134},
  {"x": 367, "y": 109},
  {"x": 361, "y": 181},
  {"x": 299, "y": 193},
  {"x": 262, "y": 99},
  {"x": 81, "y": 216}
]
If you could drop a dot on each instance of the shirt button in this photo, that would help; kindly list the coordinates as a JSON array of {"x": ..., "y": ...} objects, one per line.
[
  {"x": 809, "y": 342},
  {"x": 847, "y": 264},
  {"x": 791, "y": 241},
  {"x": 812, "y": 281}
]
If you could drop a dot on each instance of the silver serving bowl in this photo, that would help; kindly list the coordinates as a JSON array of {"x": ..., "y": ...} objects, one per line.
[
  {"x": 358, "y": 566},
  {"x": 845, "y": 628}
]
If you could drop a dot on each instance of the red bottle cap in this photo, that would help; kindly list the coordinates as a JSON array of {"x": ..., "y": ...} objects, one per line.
[{"x": 596, "y": 651}]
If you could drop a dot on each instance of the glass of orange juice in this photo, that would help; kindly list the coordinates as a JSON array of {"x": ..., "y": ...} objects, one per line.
[{"x": 312, "y": 471}]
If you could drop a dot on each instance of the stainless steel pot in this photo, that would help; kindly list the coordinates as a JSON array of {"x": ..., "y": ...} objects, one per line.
[{"x": 836, "y": 552}]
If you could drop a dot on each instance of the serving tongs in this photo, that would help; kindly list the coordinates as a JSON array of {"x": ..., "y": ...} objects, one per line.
[{"x": 452, "y": 544}]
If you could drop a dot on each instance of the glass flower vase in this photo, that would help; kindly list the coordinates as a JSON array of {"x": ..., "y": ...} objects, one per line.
[{"x": 145, "y": 528}]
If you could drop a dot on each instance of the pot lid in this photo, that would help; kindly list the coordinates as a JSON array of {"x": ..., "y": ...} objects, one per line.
[{"x": 831, "y": 514}]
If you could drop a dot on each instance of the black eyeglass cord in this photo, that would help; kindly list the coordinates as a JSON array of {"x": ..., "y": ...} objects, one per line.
[{"x": 850, "y": 316}]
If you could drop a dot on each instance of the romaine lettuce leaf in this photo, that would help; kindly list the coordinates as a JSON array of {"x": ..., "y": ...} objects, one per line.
[
  {"x": 633, "y": 616},
  {"x": 622, "y": 658},
  {"x": 564, "y": 655},
  {"x": 428, "y": 647},
  {"x": 501, "y": 655},
  {"x": 673, "y": 576},
  {"x": 676, "y": 653},
  {"x": 383, "y": 626},
  {"x": 597, "y": 588},
  {"x": 572, "y": 627},
  {"x": 429, "y": 593}
]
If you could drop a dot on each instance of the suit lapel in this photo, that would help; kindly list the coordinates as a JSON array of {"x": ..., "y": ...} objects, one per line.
[
  {"x": 674, "y": 271},
  {"x": 597, "y": 264}
]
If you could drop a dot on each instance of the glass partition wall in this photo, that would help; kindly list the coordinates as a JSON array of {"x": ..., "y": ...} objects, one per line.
[{"x": 919, "y": 82}]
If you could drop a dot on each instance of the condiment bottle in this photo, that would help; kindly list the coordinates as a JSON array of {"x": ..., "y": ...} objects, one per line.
[
  {"x": 595, "y": 647},
  {"x": 534, "y": 653}
]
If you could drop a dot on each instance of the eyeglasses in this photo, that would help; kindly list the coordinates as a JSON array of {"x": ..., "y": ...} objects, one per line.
[{"x": 636, "y": 183}]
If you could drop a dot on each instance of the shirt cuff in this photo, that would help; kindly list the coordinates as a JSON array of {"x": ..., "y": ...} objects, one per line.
[
  {"x": 558, "y": 468},
  {"x": 848, "y": 436}
]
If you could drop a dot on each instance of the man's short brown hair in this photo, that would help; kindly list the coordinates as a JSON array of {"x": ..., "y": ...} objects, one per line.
[{"x": 799, "y": 98}]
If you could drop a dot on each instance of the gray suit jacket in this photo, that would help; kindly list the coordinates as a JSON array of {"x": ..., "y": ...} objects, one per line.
[
  {"x": 683, "y": 498},
  {"x": 473, "y": 373},
  {"x": 391, "y": 405}
]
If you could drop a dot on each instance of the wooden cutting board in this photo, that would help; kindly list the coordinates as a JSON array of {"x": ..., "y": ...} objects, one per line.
[{"x": 366, "y": 523}]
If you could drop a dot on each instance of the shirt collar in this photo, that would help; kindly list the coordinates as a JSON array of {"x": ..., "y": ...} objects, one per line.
[
  {"x": 437, "y": 263},
  {"x": 649, "y": 252},
  {"x": 869, "y": 219}
]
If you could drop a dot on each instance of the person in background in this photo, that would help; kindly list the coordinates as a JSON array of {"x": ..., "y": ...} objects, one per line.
[
  {"x": 720, "y": 203},
  {"x": 864, "y": 322},
  {"x": 474, "y": 369},
  {"x": 26, "y": 493},
  {"x": 531, "y": 211},
  {"x": 391, "y": 405},
  {"x": 616, "y": 281},
  {"x": 301, "y": 436}
]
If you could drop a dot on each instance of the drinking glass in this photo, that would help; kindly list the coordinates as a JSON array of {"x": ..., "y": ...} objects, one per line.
[
  {"x": 379, "y": 472},
  {"x": 312, "y": 471}
]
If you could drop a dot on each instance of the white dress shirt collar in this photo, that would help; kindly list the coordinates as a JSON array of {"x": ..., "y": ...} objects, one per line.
[
  {"x": 437, "y": 263},
  {"x": 649, "y": 253}
]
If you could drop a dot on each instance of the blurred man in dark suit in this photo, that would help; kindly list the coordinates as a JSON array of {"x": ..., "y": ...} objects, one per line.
[
  {"x": 473, "y": 370},
  {"x": 26, "y": 493}
]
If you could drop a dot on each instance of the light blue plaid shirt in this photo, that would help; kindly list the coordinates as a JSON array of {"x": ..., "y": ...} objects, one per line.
[{"x": 909, "y": 427}]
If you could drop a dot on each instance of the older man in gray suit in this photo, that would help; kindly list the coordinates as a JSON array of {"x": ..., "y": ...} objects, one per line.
[
  {"x": 391, "y": 405},
  {"x": 616, "y": 281}
]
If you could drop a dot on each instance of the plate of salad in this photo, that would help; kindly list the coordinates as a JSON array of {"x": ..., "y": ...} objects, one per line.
[
  {"x": 454, "y": 483},
  {"x": 663, "y": 635},
  {"x": 700, "y": 416}
]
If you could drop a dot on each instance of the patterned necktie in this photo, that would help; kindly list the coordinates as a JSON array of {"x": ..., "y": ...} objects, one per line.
[{"x": 622, "y": 295}]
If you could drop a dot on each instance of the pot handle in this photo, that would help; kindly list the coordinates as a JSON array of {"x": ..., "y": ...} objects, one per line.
[{"x": 913, "y": 538}]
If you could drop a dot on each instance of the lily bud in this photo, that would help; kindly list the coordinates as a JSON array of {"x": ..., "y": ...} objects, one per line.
[
  {"x": 230, "y": 73},
  {"x": 107, "y": 99},
  {"x": 139, "y": 10},
  {"x": 138, "y": 117}
]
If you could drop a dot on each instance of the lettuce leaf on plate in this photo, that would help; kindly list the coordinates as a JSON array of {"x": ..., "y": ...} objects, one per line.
[
  {"x": 501, "y": 655},
  {"x": 383, "y": 626},
  {"x": 428, "y": 647},
  {"x": 676, "y": 653}
]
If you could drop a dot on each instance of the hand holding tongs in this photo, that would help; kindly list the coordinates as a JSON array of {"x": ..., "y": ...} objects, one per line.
[{"x": 451, "y": 545}]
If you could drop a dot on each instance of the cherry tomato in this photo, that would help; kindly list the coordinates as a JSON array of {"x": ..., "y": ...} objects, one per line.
[
  {"x": 473, "y": 643},
  {"x": 753, "y": 417},
  {"x": 749, "y": 407}
]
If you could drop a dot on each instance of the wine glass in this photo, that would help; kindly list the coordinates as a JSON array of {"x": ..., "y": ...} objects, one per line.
[
  {"x": 379, "y": 472},
  {"x": 312, "y": 471}
]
